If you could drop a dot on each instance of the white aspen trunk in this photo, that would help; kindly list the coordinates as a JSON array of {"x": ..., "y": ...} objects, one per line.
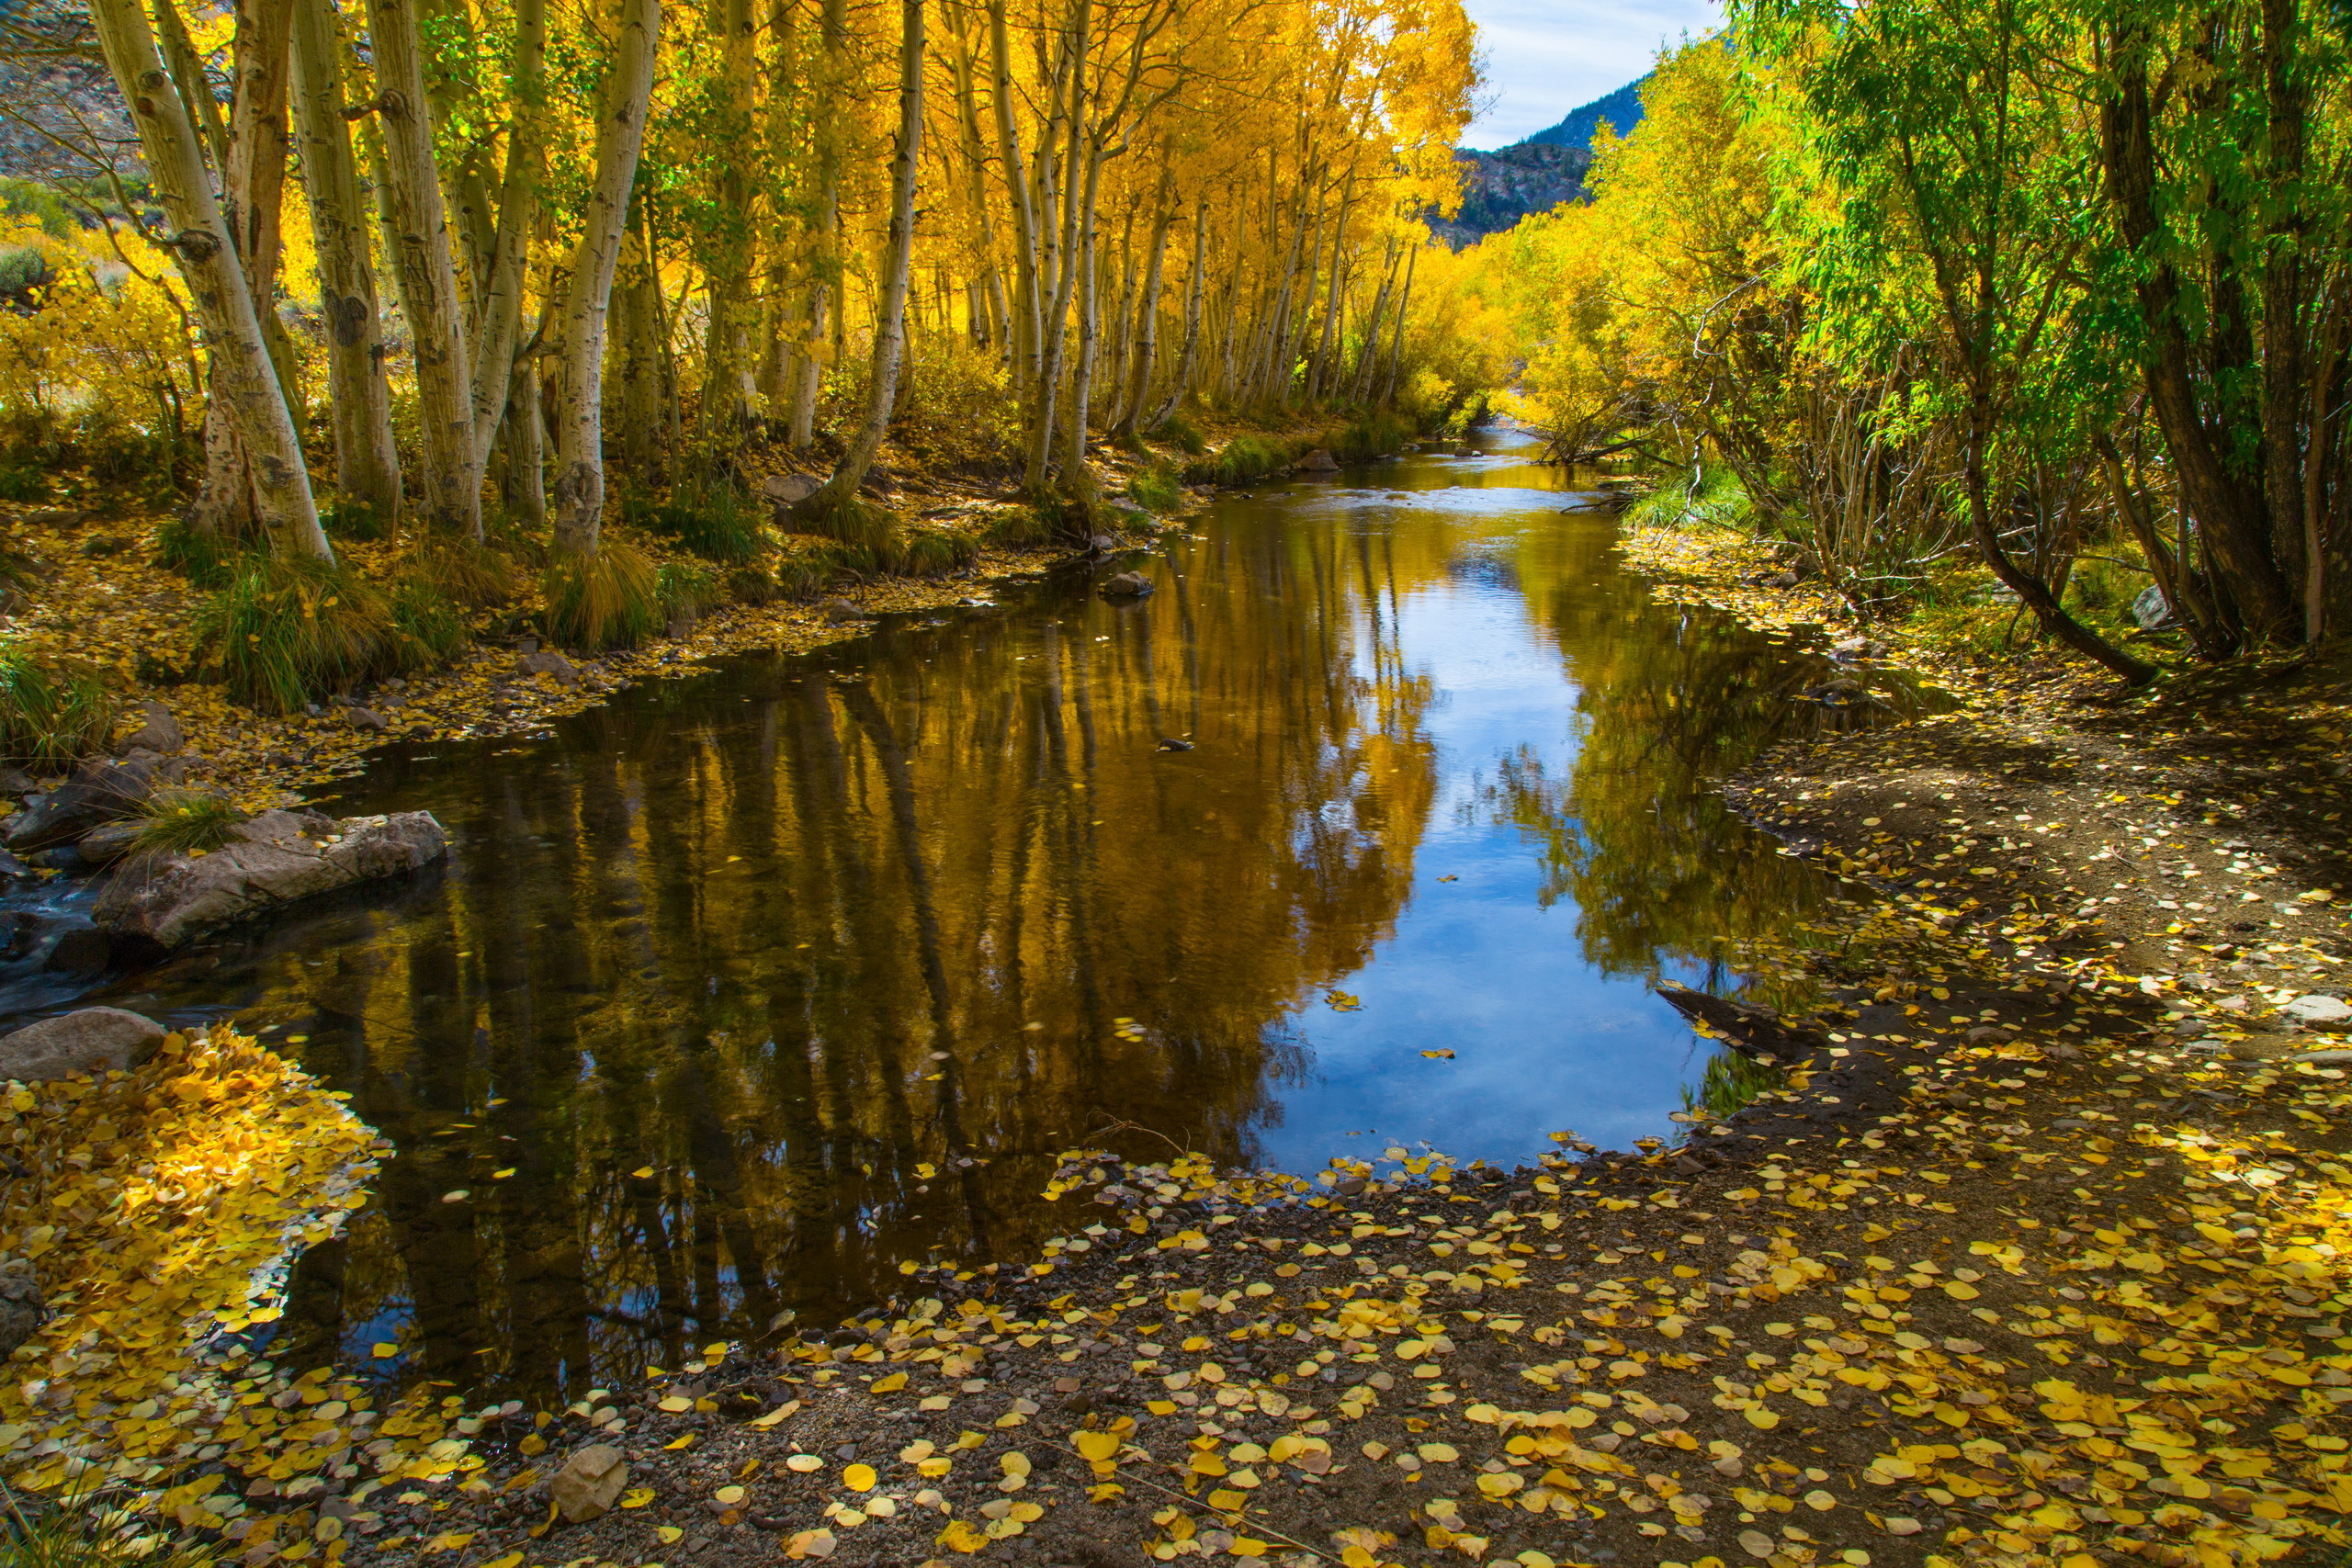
[
  {"x": 1022, "y": 344},
  {"x": 579, "y": 491},
  {"x": 499, "y": 319},
  {"x": 242, "y": 376},
  {"x": 367, "y": 463},
  {"x": 729, "y": 393},
  {"x": 825, "y": 308},
  {"x": 1396, "y": 343},
  {"x": 1368, "y": 355},
  {"x": 1075, "y": 472},
  {"x": 451, "y": 492},
  {"x": 1181, "y": 382},
  {"x": 840, "y": 491},
  {"x": 1146, "y": 323}
]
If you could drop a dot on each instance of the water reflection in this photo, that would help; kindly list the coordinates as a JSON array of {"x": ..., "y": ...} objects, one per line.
[{"x": 742, "y": 991}]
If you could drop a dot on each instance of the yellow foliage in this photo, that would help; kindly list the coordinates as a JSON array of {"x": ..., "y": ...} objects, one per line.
[{"x": 107, "y": 343}]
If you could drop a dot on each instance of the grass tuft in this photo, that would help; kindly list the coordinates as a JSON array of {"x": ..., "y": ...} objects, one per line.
[
  {"x": 610, "y": 599},
  {"x": 481, "y": 577},
  {"x": 174, "y": 821},
  {"x": 36, "y": 1533},
  {"x": 711, "y": 519},
  {"x": 937, "y": 552},
  {"x": 287, "y": 630},
  {"x": 52, "y": 715},
  {"x": 685, "y": 587},
  {"x": 206, "y": 559},
  {"x": 1157, "y": 488},
  {"x": 1182, "y": 433}
]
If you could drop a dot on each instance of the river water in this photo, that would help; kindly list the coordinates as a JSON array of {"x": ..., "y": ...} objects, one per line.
[{"x": 741, "y": 990}]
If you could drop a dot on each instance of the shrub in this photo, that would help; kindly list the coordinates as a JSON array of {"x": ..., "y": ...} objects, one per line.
[
  {"x": 713, "y": 520},
  {"x": 174, "y": 820},
  {"x": 1376, "y": 435},
  {"x": 206, "y": 561},
  {"x": 1238, "y": 461},
  {"x": 287, "y": 630},
  {"x": 753, "y": 585},
  {"x": 345, "y": 519},
  {"x": 479, "y": 577},
  {"x": 23, "y": 482},
  {"x": 685, "y": 587},
  {"x": 1182, "y": 433},
  {"x": 610, "y": 599},
  {"x": 52, "y": 715},
  {"x": 1156, "y": 488},
  {"x": 1019, "y": 527},
  {"x": 852, "y": 521},
  {"x": 427, "y": 628},
  {"x": 937, "y": 552}
]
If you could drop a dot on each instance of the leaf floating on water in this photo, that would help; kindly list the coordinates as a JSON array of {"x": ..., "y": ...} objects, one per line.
[
  {"x": 1438, "y": 1055},
  {"x": 1449, "y": 879},
  {"x": 1342, "y": 1002},
  {"x": 459, "y": 1196},
  {"x": 642, "y": 1172}
]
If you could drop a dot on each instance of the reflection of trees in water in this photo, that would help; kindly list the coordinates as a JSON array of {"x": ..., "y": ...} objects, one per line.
[{"x": 778, "y": 938}]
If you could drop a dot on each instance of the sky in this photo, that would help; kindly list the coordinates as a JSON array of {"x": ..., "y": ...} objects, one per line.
[{"x": 1546, "y": 57}]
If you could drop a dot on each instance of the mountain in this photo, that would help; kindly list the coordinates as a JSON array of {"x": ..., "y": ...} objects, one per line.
[
  {"x": 1498, "y": 189},
  {"x": 1621, "y": 109}
]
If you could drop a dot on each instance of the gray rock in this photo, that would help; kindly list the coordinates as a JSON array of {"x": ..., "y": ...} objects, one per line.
[
  {"x": 1127, "y": 585},
  {"x": 2331, "y": 1058},
  {"x": 2319, "y": 1010},
  {"x": 364, "y": 718},
  {"x": 92, "y": 1040},
  {"x": 21, "y": 1309},
  {"x": 1317, "y": 462},
  {"x": 549, "y": 663},
  {"x": 274, "y": 860},
  {"x": 102, "y": 792},
  {"x": 1102, "y": 543},
  {"x": 11, "y": 866},
  {"x": 86, "y": 950},
  {"x": 16, "y": 781},
  {"x": 161, "y": 734},
  {"x": 838, "y": 610},
  {"x": 2150, "y": 610},
  {"x": 107, "y": 843},
  {"x": 589, "y": 1483},
  {"x": 1128, "y": 505},
  {"x": 790, "y": 490}
]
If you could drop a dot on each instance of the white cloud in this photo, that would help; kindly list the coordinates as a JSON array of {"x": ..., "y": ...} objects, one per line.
[{"x": 1546, "y": 57}]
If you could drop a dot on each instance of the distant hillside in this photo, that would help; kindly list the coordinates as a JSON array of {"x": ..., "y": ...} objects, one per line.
[
  {"x": 1621, "y": 109},
  {"x": 1498, "y": 189}
]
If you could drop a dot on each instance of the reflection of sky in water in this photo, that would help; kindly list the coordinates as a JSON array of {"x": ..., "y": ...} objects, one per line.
[{"x": 1542, "y": 1040}]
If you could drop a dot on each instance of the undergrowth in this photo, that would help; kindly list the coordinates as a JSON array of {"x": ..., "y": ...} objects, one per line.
[
  {"x": 52, "y": 714},
  {"x": 610, "y": 599},
  {"x": 287, "y": 630}
]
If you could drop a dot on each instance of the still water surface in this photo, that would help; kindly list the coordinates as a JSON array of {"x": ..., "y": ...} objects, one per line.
[{"x": 724, "y": 972}]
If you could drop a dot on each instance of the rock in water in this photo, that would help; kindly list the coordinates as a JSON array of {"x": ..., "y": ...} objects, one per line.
[
  {"x": 1170, "y": 743},
  {"x": 1317, "y": 462},
  {"x": 1127, "y": 585},
  {"x": 589, "y": 1483},
  {"x": 275, "y": 859},
  {"x": 21, "y": 1308},
  {"x": 91, "y": 1039}
]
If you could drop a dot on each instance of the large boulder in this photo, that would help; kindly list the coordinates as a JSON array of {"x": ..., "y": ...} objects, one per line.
[
  {"x": 91, "y": 1039},
  {"x": 1127, "y": 585},
  {"x": 275, "y": 859},
  {"x": 102, "y": 792},
  {"x": 1317, "y": 462},
  {"x": 785, "y": 490}
]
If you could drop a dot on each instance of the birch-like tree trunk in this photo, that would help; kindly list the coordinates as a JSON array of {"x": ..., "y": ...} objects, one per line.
[
  {"x": 578, "y": 490},
  {"x": 824, "y": 310},
  {"x": 367, "y": 463},
  {"x": 1146, "y": 321},
  {"x": 450, "y": 495},
  {"x": 1180, "y": 383},
  {"x": 840, "y": 491},
  {"x": 242, "y": 375},
  {"x": 498, "y": 314}
]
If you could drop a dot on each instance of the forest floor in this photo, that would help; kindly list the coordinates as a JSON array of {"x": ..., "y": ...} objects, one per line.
[{"x": 2037, "y": 1254}]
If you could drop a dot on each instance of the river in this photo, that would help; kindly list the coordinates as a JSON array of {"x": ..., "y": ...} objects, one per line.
[{"x": 741, "y": 990}]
